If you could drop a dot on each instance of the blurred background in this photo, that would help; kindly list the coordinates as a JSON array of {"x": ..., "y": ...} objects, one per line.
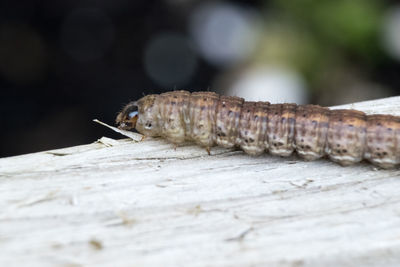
[{"x": 64, "y": 63}]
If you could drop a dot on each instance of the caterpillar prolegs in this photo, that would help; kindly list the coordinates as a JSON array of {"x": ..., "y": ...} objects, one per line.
[{"x": 208, "y": 119}]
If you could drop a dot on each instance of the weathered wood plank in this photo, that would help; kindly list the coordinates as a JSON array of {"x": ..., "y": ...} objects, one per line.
[{"x": 146, "y": 204}]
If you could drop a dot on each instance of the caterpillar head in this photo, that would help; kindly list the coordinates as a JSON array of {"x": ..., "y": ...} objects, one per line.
[{"x": 140, "y": 115}]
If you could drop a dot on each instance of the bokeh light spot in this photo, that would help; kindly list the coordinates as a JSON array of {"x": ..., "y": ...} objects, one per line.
[
  {"x": 224, "y": 33},
  {"x": 391, "y": 32},
  {"x": 270, "y": 83},
  {"x": 169, "y": 59},
  {"x": 86, "y": 34},
  {"x": 22, "y": 54}
]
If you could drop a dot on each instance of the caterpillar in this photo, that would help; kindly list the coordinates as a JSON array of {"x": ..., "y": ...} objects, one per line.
[{"x": 345, "y": 136}]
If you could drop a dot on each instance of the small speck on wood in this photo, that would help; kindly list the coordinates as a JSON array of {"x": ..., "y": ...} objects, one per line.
[{"x": 96, "y": 244}]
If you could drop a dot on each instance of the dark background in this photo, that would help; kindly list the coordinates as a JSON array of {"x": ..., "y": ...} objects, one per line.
[{"x": 64, "y": 63}]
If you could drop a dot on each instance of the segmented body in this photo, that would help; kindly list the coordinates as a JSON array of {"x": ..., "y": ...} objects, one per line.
[{"x": 345, "y": 136}]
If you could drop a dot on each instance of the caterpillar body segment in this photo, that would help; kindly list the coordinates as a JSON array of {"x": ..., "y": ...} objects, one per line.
[{"x": 227, "y": 121}]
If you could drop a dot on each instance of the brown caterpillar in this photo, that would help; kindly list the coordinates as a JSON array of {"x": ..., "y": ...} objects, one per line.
[{"x": 345, "y": 136}]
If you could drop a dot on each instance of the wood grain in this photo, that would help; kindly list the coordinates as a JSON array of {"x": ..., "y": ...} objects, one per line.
[{"x": 146, "y": 204}]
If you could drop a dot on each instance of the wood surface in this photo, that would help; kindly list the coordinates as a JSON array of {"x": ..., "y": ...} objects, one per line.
[{"x": 126, "y": 203}]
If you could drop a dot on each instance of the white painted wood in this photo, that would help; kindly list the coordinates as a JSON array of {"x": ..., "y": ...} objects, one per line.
[{"x": 146, "y": 204}]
